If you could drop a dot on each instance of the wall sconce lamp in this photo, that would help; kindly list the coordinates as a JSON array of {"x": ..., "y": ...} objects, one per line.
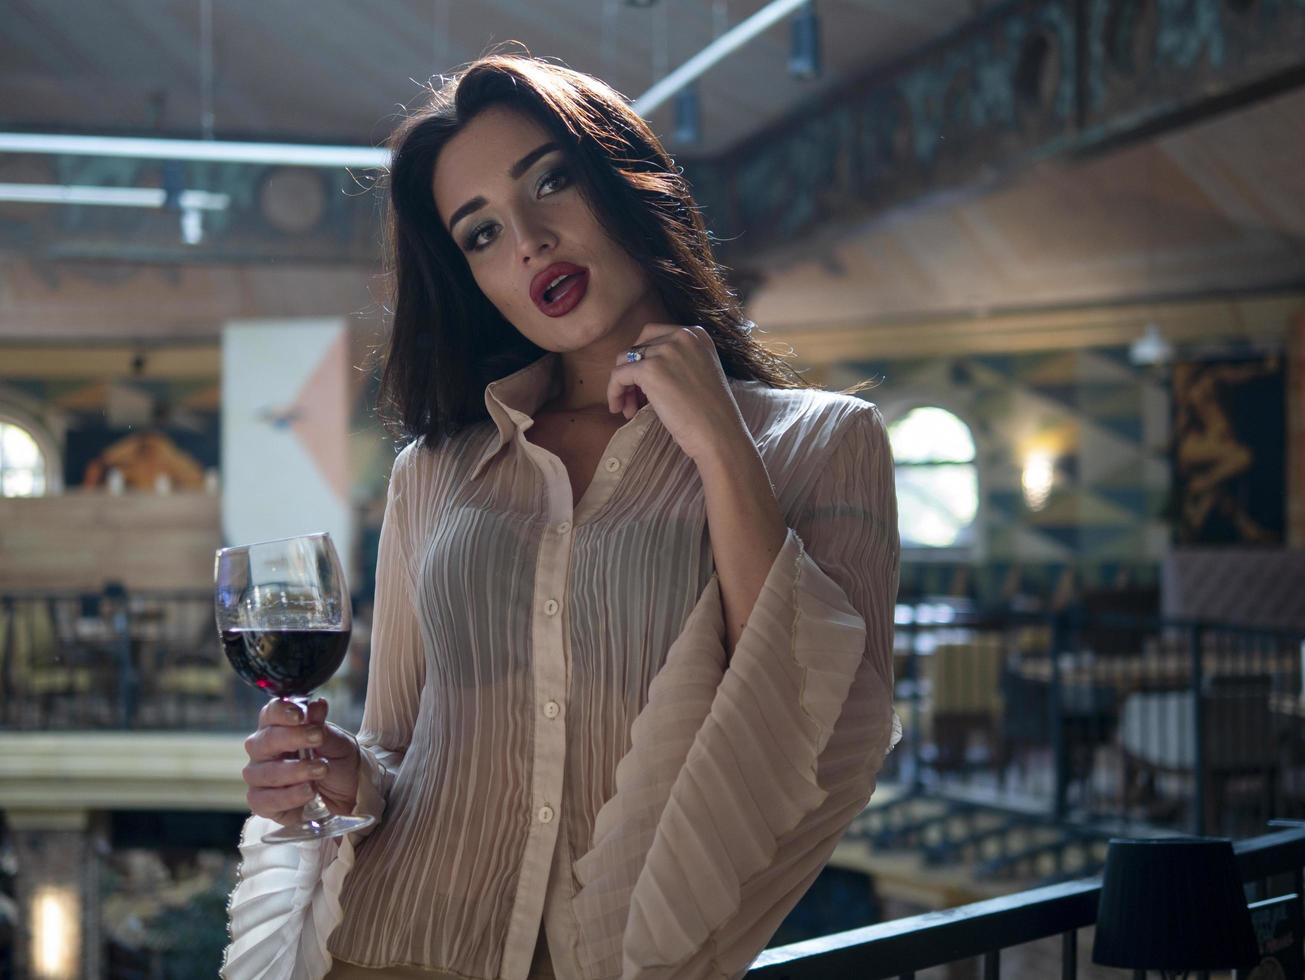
[{"x": 1038, "y": 478}]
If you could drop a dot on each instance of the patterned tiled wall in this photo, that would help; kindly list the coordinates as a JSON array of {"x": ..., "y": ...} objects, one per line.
[{"x": 1105, "y": 421}]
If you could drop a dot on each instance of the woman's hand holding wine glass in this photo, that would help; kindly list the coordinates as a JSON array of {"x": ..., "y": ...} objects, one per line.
[
  {"x": 280, "y": 782},
  {"x": 284, "y": 618}
]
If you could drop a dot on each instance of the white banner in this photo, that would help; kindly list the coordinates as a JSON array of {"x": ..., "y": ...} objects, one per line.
[{"x": 285, "y": 428}]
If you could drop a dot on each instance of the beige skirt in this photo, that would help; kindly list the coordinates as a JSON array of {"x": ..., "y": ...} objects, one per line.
[{"x": 540, "y": 969}]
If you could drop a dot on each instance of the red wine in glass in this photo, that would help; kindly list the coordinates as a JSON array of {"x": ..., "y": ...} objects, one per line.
[
  {"x": 286, "y": 663},
  {"x": 284, "y": 619}
]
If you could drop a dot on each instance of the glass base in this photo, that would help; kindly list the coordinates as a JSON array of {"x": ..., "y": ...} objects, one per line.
[{"x": 334, "y": 826}]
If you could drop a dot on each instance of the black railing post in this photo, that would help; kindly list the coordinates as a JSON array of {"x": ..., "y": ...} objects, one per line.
[
  {"x": 1194, "y": 643},
  {"x": 916, "y": 733},
  {"x": 118, "y": 610},
  {"x": 7, "y": 654},
  {"x": 1059, "y": 750},
  {"x": 1069, "y": 955}
]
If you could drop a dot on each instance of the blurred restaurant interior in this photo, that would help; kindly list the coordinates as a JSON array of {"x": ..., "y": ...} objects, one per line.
[{"x": 1065, "y": 237}]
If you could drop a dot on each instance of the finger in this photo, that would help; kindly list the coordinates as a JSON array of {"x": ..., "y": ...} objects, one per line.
[
  {"x": 275, "y": 802},
  {"x": 279, "y": 711},
  {"x": 277, "y": 741},
  {"x": 336, "y": 744},
  {"x": 620, "y": 381},
  {"x": 317, "y": 711},
  {"x": 280, "y": 773}
]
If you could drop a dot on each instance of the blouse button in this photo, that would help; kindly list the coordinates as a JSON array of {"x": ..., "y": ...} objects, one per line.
[
  {"x": 551, "y": 709},
  {"x": 545, "y": 814},
  {"x": 550, "y": 607},
  {"x": 564, "y": 527},
  {"x": 613, "y": 464}
]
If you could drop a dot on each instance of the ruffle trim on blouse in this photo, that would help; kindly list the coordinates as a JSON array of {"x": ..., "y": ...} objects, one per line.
[
  {"x": 671, "y": 853},
  {"x": 286, "y": 902}
]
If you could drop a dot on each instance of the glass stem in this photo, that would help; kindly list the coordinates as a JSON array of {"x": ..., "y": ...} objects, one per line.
[{"x": 315, "y": 811}]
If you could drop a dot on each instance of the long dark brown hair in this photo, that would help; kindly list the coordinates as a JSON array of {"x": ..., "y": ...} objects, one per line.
[{"x": 447, "y": 341}]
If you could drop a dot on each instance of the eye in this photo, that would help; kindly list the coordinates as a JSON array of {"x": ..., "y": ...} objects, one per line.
[
  {"x": 554, "y": 181},
  {"x": 474, "y": 242},
  {"x": 557, "y": 178}
]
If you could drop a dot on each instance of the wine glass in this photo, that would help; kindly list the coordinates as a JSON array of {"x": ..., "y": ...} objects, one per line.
[{"x": 284, "y": 617}]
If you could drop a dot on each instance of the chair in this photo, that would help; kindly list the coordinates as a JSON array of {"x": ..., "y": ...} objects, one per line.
[
  {"x": 1086, "y": 717},
  {"x": 964, "y": 696},
  {"x": 46, "y": 661},
  {"x": 1237, "y": 740},
  {"x": 184, "y": 665}
]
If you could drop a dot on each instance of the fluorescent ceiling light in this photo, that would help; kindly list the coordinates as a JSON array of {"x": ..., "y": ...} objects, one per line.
[
  {"x": 127, "y": 197},
  {"x": 212, "y": 151},
  {"x": 724, "y": 45}
]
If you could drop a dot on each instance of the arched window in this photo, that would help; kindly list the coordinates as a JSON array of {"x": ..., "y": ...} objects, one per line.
[
  {"x": 22, "y": 464},
  {"x": 937, "y": 480}
]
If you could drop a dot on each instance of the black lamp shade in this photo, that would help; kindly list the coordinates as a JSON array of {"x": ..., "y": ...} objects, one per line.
[{"x": 1173, "y": 904}]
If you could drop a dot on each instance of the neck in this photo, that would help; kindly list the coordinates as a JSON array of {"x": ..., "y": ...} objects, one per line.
[{"x": 586, "y": 372}]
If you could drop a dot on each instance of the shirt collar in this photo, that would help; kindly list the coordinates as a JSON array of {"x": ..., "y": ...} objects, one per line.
[{"x": 512, "y": 401}]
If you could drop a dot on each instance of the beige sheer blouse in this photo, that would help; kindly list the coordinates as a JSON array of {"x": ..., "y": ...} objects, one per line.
[{"x": 551, "y": 736}]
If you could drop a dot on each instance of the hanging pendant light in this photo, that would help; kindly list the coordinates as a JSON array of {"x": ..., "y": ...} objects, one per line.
[
  {"x": 688, "y": 128},
  {"x": 1151, "y": 348},
  {"x": 804, "y": 53}
]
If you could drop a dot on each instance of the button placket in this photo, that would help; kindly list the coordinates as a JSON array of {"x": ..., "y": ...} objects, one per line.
[{"x": 549, "y": 642}]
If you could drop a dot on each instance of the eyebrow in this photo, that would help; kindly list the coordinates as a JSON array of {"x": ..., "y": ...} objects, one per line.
[{"x": 515, "y": 172}]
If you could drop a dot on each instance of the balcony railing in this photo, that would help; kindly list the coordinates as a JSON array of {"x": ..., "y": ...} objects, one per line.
[
  {"x": 1271, "y": 865},
  {"x": 134, "y": 661},
  {"x": 1092, "y": 722}
]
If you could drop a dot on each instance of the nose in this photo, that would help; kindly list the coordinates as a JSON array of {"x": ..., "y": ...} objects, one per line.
[{"x": 535, "y": 240}]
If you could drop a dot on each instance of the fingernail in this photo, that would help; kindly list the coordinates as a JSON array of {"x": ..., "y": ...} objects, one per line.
[
  {"x": 315, "y": 738},
  {"x": 317, "y": 772}
]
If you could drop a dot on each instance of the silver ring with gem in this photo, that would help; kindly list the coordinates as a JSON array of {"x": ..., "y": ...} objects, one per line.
[{"x": 633, "y": 354}]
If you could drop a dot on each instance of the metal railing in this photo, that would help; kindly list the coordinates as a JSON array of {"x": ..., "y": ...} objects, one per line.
[
  {"x": 983, "y": 930},
  {"x": 1106, "y": 719},
  {"x": 146, "y": 660}
]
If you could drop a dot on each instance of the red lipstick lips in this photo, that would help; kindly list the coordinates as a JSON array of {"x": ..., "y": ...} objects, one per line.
[{"x": 559, "y": 288}]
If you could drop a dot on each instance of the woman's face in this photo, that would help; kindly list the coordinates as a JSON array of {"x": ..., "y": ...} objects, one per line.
[{"x": 507, "y": 195}]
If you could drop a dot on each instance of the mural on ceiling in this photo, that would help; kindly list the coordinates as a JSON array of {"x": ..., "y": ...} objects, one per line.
[
  {"x": 1094, "y": 425},
  {"x": 1229, "y": 464}
]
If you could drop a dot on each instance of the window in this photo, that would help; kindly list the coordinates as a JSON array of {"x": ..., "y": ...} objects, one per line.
[
  {"x": 937, "y": 480},
  {"x": 22, "y": 464}
]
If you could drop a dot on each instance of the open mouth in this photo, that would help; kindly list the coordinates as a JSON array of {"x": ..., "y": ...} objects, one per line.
[{"x": 558, "y": 287}]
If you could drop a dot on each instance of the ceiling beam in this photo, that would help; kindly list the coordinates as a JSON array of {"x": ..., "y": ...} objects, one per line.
[
  {"x": 1027, "y": 81},
  {"x": 1257, "y": 320}
]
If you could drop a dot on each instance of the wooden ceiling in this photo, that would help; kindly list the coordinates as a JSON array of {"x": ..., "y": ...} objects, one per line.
[
  {"x": 1216, "y": 208},
  {"x": 1213, "y": 209},
  {"x": 337, "y": 70}
]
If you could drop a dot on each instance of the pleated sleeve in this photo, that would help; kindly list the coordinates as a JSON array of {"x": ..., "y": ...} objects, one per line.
[
  {"x": 741, "y": 778},
  {"x": 286, "y": 901}
]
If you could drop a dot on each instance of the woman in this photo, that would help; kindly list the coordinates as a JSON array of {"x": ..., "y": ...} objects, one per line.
[{"x": 631, "y": 662}]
